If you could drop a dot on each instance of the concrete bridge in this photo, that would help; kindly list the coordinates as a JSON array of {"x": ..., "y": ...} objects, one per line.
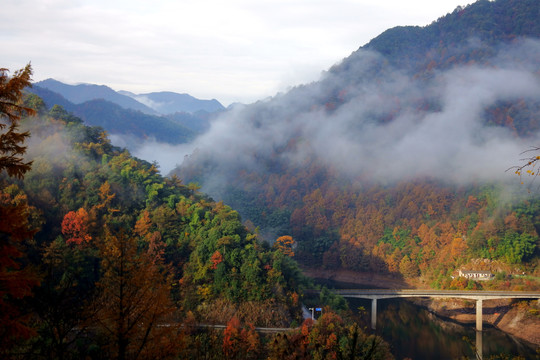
[{"x": 479, "y": 296}]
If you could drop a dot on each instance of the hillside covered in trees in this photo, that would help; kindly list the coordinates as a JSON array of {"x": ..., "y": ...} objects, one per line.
[
  {"x": 102, "y": 257},
  {"x": 396, "y": 161}
]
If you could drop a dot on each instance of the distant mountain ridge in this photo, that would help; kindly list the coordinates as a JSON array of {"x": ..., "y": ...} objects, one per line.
[
  {"x": 166, "y": 117},
  {"x": 81, "y": 93},
  {"x": 173, "y": 129},
  {"x": 156, "y": 103},
  {"x": 168, "y": 102}
]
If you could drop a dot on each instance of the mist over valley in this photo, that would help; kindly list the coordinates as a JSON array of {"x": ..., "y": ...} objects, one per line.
[{"x": 158, "y": 224}]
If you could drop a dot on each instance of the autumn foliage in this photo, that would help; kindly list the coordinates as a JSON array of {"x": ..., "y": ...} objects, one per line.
[
  {"x": 134, "y": 308},
  {"x": 103, "y": 257},
  {"x": 75, "y": 227},
  {"x": 216, "y": 259},
  {"x": 16, "y": 280},
  {"x": 240, "y": 342},
  {"x": 285, "y": 245},
  {"x": 124, "y": 254},
  {"x": 331, "y": 337}
]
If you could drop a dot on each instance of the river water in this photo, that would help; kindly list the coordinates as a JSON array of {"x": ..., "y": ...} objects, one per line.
[{"x": 414, "y": 332}]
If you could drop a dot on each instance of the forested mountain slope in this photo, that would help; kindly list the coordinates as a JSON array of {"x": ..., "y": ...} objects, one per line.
[
  {"x": 103, "y": 258},
  {"x": 77, "y": 172},
  {"x": 395, "y": 161},
  {"x": 489, "y": 22},
  {"x": 94, "y": 238}
]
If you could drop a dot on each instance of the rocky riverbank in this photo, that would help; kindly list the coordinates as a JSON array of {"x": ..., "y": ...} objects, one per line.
[{"x": 519, "y": 319}]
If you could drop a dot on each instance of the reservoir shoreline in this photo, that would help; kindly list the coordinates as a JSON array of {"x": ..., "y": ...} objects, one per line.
[{"x": 511, "y": 317}]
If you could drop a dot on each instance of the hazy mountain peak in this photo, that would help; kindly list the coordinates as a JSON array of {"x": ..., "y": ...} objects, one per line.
[
  {"x": 163, "y": 102},
  {"x": 168, "y": 102},
  {"x": 81, "y": 93}
]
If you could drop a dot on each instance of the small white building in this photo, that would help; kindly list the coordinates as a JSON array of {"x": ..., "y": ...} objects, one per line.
[{"x": 476, "y": 275}]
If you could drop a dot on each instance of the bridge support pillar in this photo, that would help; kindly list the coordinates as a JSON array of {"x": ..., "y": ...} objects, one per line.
[
  {"x": 373, "y": 313},
  {"x": 479, "y": 315},
  {"x": 479, "y": 346}
]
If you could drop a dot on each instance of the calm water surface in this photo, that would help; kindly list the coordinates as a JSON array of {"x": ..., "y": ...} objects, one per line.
[{"x": 416, "y": 333}]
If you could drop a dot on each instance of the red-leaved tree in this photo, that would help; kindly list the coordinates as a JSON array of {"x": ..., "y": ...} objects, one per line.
[
  {"x": 75, "y": 227},
  {"x": 240, "y": 342}
]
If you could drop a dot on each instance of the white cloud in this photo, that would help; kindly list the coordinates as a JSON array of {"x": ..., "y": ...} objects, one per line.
[
  {"x": 237, "y": 50},
  {"x": 448, "y": 141}
]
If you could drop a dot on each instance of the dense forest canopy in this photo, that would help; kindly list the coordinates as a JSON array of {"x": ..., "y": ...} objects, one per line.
[
  {"x": 395, "y": 161},
  {"x": 488, "y": 21},
  {"x": 102, "y": 257}
]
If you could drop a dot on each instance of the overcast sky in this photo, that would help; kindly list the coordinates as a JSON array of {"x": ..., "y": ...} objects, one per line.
[{"x": 230, "y": 50}]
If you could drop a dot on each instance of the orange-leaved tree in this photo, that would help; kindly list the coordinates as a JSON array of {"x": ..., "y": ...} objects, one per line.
[
  {"x": 134, "y": 308},
  {"x": 75, "y": 227},
  {"x": 16, "y": 280},
  {"x": 285, "y": 244},
  {"x": 240, "y": 342}
]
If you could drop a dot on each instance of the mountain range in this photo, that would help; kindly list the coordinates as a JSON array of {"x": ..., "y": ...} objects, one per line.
[
  {"x": 391, "y": 169},
  {"x": 167, "y": 102},
  {"x": 398, "y": 156},
  {"x": 164, "y": 117},
  {"x": 161, "y": 103},
  {"x": 81, "y": 93},
  {"x": 394, "y": 162}
]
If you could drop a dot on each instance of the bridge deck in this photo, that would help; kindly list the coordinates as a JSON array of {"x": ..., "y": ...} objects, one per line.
[
  {"x": 479, "y": 296},
  {"x": 476, "y": 295}
]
